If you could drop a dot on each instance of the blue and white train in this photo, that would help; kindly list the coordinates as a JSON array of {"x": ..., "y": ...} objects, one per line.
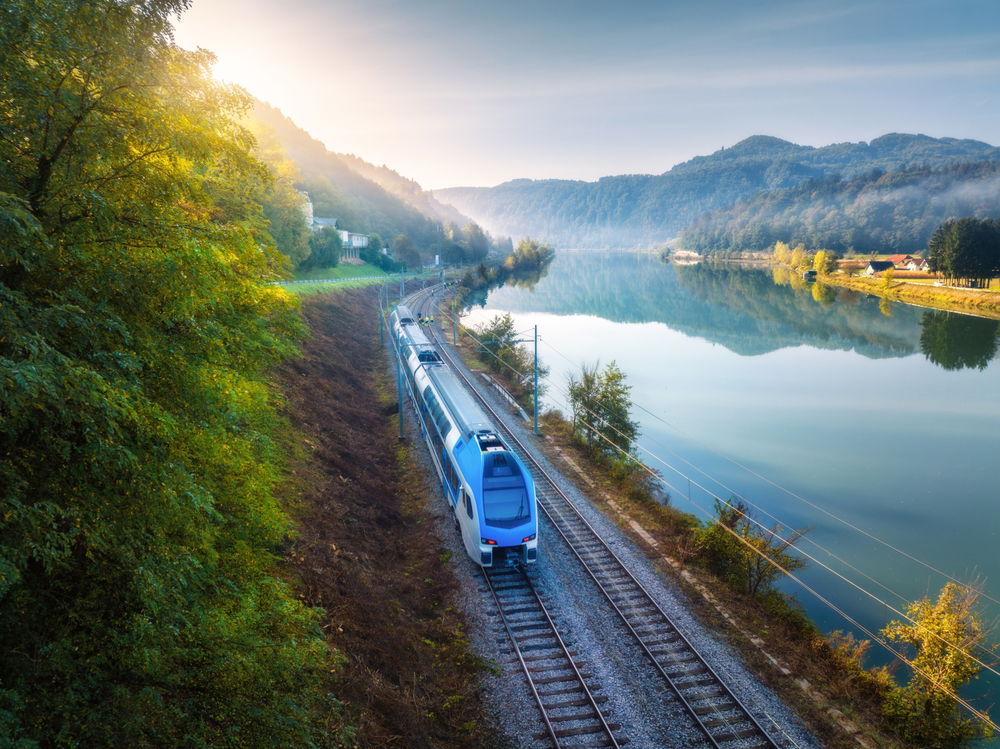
[{"x": 487, "y": 485}]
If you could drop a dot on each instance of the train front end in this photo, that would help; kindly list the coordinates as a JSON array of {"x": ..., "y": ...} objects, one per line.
[{"x": 509, "y": 520}]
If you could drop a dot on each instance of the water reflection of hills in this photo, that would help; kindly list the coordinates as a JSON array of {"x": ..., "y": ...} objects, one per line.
[{"x": 741, "y": 309}]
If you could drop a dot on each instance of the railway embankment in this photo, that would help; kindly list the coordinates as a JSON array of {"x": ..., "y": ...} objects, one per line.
[
  {"x": 368, "y": 550},
  {"x": 638, "y": 699},
  {"x": 818, "y": 677}
]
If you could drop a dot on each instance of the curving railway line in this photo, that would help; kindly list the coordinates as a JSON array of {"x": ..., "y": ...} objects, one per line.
[{"x": 724, "y": 721}]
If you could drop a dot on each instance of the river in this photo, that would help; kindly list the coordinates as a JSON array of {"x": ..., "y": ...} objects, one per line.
[{"x": 873, "y": 424}]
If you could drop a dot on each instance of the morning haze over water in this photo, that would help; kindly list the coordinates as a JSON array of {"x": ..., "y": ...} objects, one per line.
[{"x": 885, "y": 415}]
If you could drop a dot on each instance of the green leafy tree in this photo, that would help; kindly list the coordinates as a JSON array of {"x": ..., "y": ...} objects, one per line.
[
  {"x": 139, "y": 603},
  {"x": 601, "y": 403},
  {"x": 284, "y": 205},
  {"x": 506, "y": 355},
  {"x": 938, "y": 635},
  {"x": 747, "y": 555},
  {"x": 966, "y": 251},
  {"x": 405, "y": 251},
  {"x": 825, "y": 261},
  {"x": 476, "y": 242},
  {"x": 325, "y": 247},
  {"x": 799, "y": 257}
]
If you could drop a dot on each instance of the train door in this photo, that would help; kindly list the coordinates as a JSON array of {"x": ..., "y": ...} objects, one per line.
[{"x": 469, "y": 523}]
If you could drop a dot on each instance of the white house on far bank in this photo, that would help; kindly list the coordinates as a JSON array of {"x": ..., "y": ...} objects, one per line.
[{"x": 352, "y": 242}]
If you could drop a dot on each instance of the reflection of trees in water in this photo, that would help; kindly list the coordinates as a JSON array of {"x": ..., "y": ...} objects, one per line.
[
  {"x": 958, "y": 341},
  {"x": 522, "y": 278},
  {"x": 820, "y": 315},
  {"x": 740, "y": 308},
  {"x": 825, "y": 295}
]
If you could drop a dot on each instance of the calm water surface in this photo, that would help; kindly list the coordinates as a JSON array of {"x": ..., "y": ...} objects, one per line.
[{"x": 885, "y": 416}]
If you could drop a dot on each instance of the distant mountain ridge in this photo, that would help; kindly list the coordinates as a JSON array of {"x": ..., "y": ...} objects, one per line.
[
  {"x": 877, "y": 211},
  {"x": 648, "y": 210}
]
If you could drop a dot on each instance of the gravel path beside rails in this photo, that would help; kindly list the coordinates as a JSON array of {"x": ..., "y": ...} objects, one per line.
[{"x": 637, "y": 696}]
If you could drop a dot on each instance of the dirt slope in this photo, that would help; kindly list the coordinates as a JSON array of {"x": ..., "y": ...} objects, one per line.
[{"x": 367, "y": 552}]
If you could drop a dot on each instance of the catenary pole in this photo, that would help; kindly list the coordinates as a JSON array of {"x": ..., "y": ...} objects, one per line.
[
  {"x": 399, "y": 389},
  {"x": 536, "y": 379}
]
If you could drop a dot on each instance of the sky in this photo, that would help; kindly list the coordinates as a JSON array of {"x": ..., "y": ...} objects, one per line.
[{"x": 476, "y": 92}]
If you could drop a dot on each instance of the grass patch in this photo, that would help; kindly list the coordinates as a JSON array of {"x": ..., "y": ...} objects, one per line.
[
  {"x": 339, "y": 271},
  {"x": 308, "y": 289}
]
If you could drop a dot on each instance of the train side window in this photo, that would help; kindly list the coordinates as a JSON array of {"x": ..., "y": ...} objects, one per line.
[{"x": 468, "y": 503}]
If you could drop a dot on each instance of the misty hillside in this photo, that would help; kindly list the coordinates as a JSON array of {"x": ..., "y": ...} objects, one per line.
[
  {"x": 874, "y": 212},
  {"x": 365, "y": 198},
  {"x": 649, "y": 210}
]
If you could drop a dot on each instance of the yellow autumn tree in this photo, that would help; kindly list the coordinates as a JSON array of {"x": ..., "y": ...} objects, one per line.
[{"x": 939, "y": 636}]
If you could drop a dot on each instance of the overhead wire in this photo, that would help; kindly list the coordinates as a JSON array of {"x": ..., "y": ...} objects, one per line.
[
  {"x": 799, "y": 536},
  {"x": 789, "y": 492},
  {"x": 790, "y": 542},
  {"x": 757, "y": 523},
  {"x": 788, "y": 573},
  {"x": 830, "y": 604}
]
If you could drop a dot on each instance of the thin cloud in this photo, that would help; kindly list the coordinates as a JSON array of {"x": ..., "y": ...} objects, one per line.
[{"x": 596, "y": 84}]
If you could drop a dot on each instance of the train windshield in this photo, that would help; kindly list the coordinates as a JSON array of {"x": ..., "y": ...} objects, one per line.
[
  {"x": 506, "y": 508},
  {"x": 505, "y": 496}
]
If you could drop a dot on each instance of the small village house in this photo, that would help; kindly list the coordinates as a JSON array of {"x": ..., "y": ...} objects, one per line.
[{"x": 878, "y": 266}]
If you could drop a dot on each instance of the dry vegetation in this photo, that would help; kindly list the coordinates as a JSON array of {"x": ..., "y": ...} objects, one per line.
[
  {"x": 982, "y": 302},
  {"x": 786, "y": 633},
  {"x": 367, "y": 552}
]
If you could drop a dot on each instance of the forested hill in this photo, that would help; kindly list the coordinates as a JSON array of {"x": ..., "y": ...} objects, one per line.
[
  {"x": 646, "y": 210},
  {"x": 876, "y": 212},
  {"x": 364, "y": 198}
]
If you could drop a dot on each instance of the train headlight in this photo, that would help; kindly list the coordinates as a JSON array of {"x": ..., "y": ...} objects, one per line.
[
  {"x": 489, "y": 541},
  {"x": 529, "y": 538}
]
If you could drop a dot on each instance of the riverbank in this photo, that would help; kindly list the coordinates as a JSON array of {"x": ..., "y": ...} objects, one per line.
[
  {"x": 949, "y": 298},
  {"x": 821, "y": 679}
]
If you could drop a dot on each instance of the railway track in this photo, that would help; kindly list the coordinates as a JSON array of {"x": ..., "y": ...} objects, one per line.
[
  {"x": 571, "y": 712},
  {"x": 722, "y": 717}
]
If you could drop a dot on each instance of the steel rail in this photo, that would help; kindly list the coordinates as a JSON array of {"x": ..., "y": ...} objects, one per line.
[
  {"x": 561, "y": 660},
  {"x": 543, "y": 635},
  {"x": 728, "y": 710}
]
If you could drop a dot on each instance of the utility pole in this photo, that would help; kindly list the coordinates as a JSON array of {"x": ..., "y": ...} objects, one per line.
[
  {"x": 536, "y": 380},
  {"x": 381, "y": 338},
  {"x": 399, "y": 389},
  {"x": 454, "y": 323},
  {"x": 482, "y": 345}
]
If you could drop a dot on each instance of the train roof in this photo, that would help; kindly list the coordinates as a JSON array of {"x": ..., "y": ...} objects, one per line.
[
  {"x": 404, "y": 314},
  {"x": 469, "y": 417}
]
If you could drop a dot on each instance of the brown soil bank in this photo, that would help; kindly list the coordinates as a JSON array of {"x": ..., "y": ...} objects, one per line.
[{"x": 367, "y": 552}]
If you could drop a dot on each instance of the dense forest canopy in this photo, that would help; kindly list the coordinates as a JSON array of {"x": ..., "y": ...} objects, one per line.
[
  {"x": 139, "y": 600},
  {"x": 875, "y": 212},
  {"x": 649, "y": 210}
]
